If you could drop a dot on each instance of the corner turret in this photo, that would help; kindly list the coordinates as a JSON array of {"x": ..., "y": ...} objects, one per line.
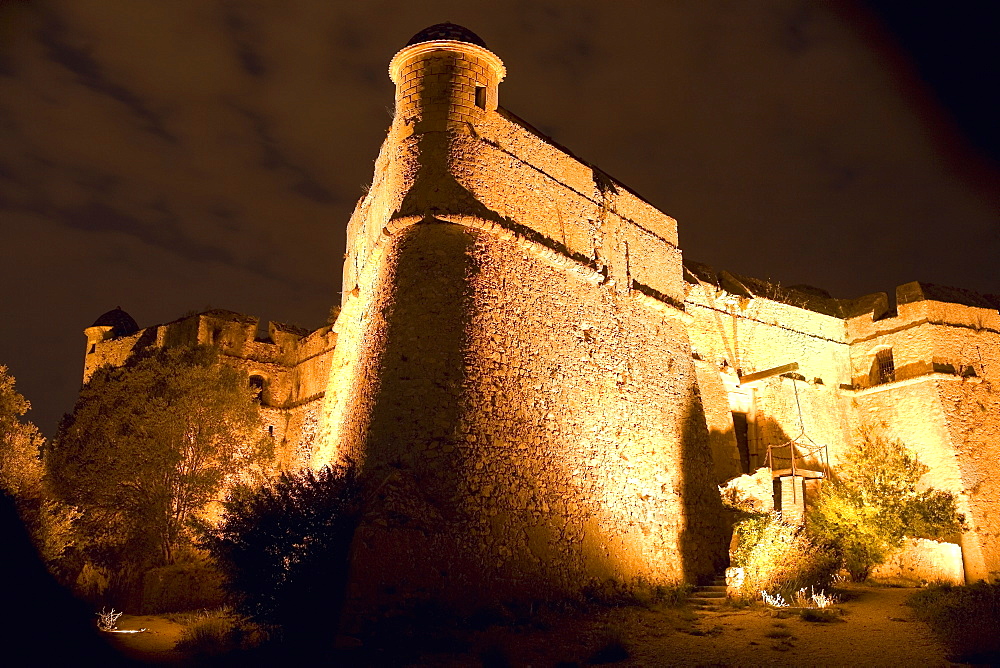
[
  {"x": 114, "y": 324},
  {"x": 445, "y": 77}
]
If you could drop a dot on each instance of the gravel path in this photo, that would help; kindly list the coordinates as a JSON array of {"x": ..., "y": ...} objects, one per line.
[{"x": 877, "y": 630}]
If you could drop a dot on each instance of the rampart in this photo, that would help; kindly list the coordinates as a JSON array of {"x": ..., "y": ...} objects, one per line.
[
  {"x": 518, "y": 378},
  {"x": 940, "y": 398},
  {"x": 544, "y": 398}
]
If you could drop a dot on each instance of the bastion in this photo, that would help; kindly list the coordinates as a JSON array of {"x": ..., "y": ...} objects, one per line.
[{"x": 544, "y": 396}]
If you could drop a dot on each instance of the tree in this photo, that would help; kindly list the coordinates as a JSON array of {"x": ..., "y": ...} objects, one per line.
[
  {"x": 21, "y": 469},
  {"x": 283, "y": 549},
  {"x": 22, "y": 476},
  {"x": 148, "y": 447},
  {"x": 874, "y": 502}
]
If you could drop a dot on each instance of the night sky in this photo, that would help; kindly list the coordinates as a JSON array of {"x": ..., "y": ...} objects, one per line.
[{"x": 173, "y": 156}]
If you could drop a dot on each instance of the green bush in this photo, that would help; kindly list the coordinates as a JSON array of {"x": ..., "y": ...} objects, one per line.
[
  {"x": 778, "y": 557},
  {"x": 865, "y": 512},
  {"x": 965, "y": 617},
  {"x": 283, "y": 550},
  {"x": 183, "y": 586}
]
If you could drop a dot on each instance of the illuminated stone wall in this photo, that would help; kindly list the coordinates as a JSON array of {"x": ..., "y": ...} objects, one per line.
[
  {"x": 943, "y": 404},
  {"x": 920, "y": 561},
  {"x": 513, "y": 371},
  {"x": 519, "y": 449}
]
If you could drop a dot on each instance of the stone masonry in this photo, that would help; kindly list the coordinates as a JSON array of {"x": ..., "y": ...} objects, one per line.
[{"x": 544, "y": 397}]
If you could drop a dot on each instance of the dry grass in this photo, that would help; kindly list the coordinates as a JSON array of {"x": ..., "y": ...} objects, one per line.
[{"x": 966, "y": 618}]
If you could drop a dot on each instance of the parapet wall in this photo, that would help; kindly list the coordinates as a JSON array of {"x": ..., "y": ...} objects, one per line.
[
  {"x": 500, "y": 175},
  {"x": 735, "y": 336}
]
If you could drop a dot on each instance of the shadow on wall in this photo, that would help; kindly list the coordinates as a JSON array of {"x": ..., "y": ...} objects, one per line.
[
  {"x": 406, "y": 443},
  {"x": 704, "y": 540}
]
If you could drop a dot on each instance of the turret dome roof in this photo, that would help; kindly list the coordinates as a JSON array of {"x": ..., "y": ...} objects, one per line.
[
  {"x": 449, "y": 31},
  {"x": 120, "y": 322}
]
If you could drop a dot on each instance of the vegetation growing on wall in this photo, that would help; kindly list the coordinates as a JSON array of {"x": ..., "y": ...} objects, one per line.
[
  {"x": 147, "y": 448},
  {"x": 874, "y": 502}
]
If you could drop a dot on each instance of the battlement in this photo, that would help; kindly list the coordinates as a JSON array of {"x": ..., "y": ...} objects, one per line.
[{"x": 289, "y": 366}]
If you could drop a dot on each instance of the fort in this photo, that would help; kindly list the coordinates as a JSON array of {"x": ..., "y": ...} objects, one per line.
[{"x": 549, "y": 396}]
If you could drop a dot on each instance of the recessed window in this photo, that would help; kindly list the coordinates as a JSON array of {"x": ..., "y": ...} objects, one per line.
[
  {"x": 257, "y": 383},
  {"x": 883, "y": 368},
  {"x": 481, "y": 97}
]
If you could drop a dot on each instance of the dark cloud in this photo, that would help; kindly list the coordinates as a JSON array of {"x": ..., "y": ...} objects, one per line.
[
  {"x": 89, "y": 73},
  {"x": 272, "y": 158},
  {"x": 246, "y": 53}
]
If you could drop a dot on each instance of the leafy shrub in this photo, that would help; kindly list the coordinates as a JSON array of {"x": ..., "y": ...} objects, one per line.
[
  {"x": 149, "y": 446},
  {"x": 182, "y": 586},
  {"x": 965, "y": 617},
  {"x": 867, "y": 510},
  {"x": 778, "y": 557},
  {"x": 283, "y": 550}
]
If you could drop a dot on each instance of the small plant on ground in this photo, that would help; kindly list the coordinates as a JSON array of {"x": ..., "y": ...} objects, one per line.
[
  {"x": 107, "y": 620},
  {"x": 810, "y": 598},
  {"x": 775, "y": 601},
  {"x": 778, "y": 557},
  {"x": 612, "y": 649},
  {"x": 188, "y": 617},
  {"x": 637, "y": 592},
  {"x": 965, "y": 617},
  {"x": 210, "y": 636},
  {"x": 825, "y": 616}
]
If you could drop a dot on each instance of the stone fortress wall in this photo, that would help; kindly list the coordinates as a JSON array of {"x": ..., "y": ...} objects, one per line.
[
  {"x": 942, "y": 400},
  {"x": 547, "y": 397},
  {"x": 289, "y": 365},
  {"x": 533, "y": 414},
  {"x": 936, "y": 395}
]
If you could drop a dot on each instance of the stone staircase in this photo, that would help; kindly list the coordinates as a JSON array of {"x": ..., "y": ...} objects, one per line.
[{"x": 710, "y": 595}]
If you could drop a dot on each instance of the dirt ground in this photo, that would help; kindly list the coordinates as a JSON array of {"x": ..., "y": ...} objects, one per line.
[
  {"x": 154, "y": 645},
  {"x": 874, "y": 628}
]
